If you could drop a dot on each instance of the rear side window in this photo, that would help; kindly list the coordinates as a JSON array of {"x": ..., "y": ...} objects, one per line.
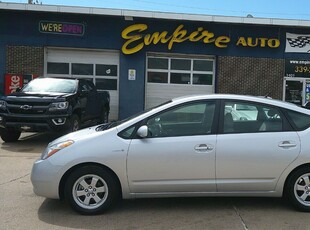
[
  {"x": 301, "y": 121},
  {"x": 250, "y": 117}
]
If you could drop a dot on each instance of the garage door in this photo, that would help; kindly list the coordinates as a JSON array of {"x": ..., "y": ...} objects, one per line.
[
  {"x": 102, "y": 67},
  {"x": 170, "y": 77}
]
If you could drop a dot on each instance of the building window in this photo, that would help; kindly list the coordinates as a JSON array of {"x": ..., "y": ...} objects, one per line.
[
  {"x": 106, "y": 70},
  {"x": 180, "y": 78},
  {"x": 175, "y": 70},
  {"x": 181, "y": 64},
  {"x": 104, "y": 76},
  {"x": 82, "y": 69},
  {"x": 157, "y": 63},
  {"x": 106, "y": 84},
  {"x": 57, "y": 68},
  {"x": 157, "y": 77}
]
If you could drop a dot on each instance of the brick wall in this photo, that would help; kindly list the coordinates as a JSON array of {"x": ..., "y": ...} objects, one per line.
[
  {"x": 250, "y": 76},
  {"x": 24, "y": 60}
]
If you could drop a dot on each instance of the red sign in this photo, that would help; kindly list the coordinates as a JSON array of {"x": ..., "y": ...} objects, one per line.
[{"x": 12, "y": 82}]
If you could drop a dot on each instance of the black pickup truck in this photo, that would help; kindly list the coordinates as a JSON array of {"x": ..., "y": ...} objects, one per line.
[{"x": 52, "y": 104}]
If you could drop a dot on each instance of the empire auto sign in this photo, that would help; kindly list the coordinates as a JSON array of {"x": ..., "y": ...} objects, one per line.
[{"x": 137, "y": 37}]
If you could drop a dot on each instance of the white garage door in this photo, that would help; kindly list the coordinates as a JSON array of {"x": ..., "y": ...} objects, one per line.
[
  {"x": 102, "y": 67},
  {"x": 170, "y": 77}
]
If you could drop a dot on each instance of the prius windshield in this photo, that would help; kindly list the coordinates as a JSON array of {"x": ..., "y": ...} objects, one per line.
[{"x": 116, "y": 123}]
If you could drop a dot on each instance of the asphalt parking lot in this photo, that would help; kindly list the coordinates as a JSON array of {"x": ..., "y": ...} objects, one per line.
[{"x": 20, "y": 208}]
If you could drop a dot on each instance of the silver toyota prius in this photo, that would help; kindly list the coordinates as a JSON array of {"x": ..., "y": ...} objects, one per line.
[{"x": 210, "y": 145}]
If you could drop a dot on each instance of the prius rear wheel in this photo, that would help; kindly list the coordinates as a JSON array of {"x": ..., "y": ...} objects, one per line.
[{"x": 299, "y": 189}]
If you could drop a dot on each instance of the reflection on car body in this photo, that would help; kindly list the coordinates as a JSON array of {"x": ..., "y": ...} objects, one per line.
[{"x": 212, "y": 145}]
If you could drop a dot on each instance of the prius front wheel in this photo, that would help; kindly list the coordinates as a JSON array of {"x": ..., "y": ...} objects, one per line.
[{"x": 91, "y": 190}]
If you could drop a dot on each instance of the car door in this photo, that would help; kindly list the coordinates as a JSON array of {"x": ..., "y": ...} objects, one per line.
[
  {"x": 255, "y": 147},
  {"x": 179, "y": 153}
]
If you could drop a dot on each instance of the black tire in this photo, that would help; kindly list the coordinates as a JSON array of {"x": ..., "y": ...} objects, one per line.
[
  {"x": 101, "y": 192},
  {"x": 9, "y": 135},
  {"x": 298, "y": 189},
  {"x": 74, "y": 123}
]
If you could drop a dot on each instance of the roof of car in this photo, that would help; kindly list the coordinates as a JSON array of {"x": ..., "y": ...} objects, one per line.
[{"x": 261, "y": 99}]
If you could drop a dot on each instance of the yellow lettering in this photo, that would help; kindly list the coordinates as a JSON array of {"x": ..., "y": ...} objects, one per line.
[
  {"x": 192, "y": 37},
  {"x": 156, "y": 37},
  {"x": 222, "y": 41},
  {"x": 133, "y": 38},
  {"x": 250, "y": 42},
  {"x": 263, "y": 42},
  {"x": 241, "y": 41},
  {"x": 273, "y": 43},
  {"x": 178, "y": 36},
  {"x": 208, "y": 36}
]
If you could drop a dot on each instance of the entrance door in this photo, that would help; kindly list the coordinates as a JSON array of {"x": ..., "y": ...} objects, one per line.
[{"x": 295, "y": 90}]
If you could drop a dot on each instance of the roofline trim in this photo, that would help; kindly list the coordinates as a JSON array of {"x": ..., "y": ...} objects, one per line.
[{"x": 152, "y": 14}]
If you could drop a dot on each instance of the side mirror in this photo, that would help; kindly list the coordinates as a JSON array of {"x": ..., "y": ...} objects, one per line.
[
  {"x": 143, "y": 131},
  {"x": 18, "y": 89}
]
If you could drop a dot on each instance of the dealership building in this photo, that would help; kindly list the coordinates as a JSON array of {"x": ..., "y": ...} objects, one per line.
[{"x": 145, "y": 58}]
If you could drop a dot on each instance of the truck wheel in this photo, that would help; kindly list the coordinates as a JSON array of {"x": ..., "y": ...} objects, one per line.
[
  {"x": 9, "y": 135},
  {"x": 74, "y": 123},
  {"x": 91, "y": 190}
]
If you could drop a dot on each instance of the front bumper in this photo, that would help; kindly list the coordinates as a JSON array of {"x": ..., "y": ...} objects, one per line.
[
  {"x": 35, "y": 123},
  {"x": 45, "y": 179}
]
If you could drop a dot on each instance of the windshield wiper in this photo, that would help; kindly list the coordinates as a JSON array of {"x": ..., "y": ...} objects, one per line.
[
  {"x": 102, "y": 127},
  {"x": 107, "y": 126}
]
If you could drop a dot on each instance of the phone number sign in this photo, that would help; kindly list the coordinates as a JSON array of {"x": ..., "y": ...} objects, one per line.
[{"x": 297, "y": 68}]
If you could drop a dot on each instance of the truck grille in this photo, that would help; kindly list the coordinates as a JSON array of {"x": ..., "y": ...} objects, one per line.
[{"x": 27, "y": 108}]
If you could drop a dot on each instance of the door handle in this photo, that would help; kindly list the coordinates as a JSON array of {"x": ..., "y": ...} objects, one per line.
[
  {"x": 287, "y": 144},
  {"x": 203, "y": 148}
]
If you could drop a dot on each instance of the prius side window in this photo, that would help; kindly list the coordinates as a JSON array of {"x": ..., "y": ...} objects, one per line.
[
  {"x": 186, "y": 120},
  {"x": 300, "y": 121},
  {"x": 247, "y": 117}
]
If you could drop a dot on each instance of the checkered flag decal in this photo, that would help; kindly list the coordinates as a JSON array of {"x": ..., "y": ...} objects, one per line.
[{"x": 300, "y": 41}]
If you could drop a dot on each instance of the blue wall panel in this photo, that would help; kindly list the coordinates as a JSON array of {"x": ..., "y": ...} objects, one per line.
[
  {"x": 104, "y": 32},
  {"x": 131, "y": 92}
]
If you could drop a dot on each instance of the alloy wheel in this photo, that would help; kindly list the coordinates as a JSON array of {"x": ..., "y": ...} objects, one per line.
[{"x": 90, "y": 191}]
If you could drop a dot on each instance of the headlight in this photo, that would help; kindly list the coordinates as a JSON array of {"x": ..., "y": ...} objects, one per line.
[
  {"x": 58, "y": 106},
  {"x": 52, "y": 149},
  {"x": 2, "y": 104}
]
